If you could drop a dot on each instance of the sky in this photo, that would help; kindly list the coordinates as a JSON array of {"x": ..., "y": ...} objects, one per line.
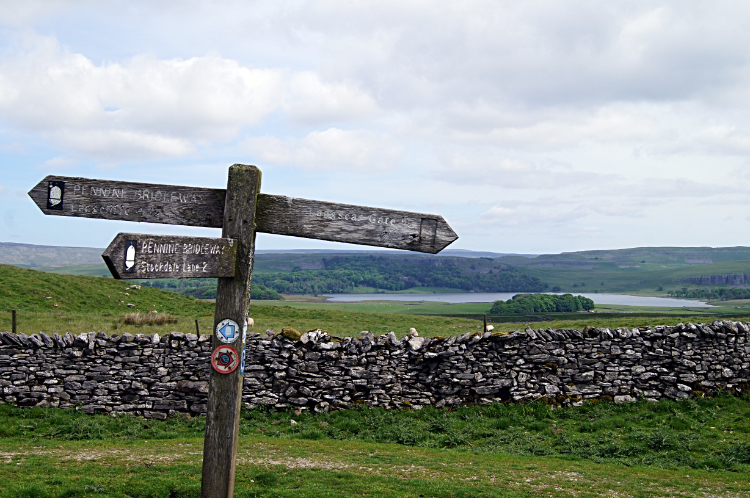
[{"x": 531, "y": 127}]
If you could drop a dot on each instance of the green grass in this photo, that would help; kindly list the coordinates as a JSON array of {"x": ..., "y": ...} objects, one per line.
[
  {"x": 29, "y": 290},
  {"x": 709, "y": 434},
  {"x": 270, "y": 468},
  {"x": 691, "y": 448},
  {"x": 337, "y": 323},
  {"x": 98, "y": 304}
]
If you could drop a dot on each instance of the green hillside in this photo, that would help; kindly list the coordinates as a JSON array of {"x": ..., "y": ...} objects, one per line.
[
  {"x": 622, "y": 278},
  {"x": 29, "y": 255},
  {"x": 30, "y": 290},
  {"x": 91, "y": 270},
  {"x": 98, "y": 304}
]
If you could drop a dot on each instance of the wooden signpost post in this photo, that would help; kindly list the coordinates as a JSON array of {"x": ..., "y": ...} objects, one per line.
[{"x": 240, "y": 211}]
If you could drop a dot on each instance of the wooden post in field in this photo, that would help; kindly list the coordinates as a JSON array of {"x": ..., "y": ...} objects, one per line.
[
  {"x": 240, "y": 211},
  {"x": 230, "y": 327},
  {"x": 13, "y": 319},
  {"x": 485, "y": 324},
  {"x": 197, "y": 328}
]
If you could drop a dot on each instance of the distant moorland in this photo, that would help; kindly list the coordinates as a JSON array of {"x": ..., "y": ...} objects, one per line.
[{"x": 651, "y": 270}]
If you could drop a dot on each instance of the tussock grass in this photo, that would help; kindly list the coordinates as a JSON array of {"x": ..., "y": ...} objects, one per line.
[
  {"x": 154, "y": 318},
  {"x": 692, "y": 448},
  {"x": 708, "y": 434}
]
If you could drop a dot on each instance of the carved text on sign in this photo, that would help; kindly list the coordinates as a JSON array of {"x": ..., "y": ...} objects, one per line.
[
  {"x": 163, "y": 256},
  {"x": 355, "y": 217}
]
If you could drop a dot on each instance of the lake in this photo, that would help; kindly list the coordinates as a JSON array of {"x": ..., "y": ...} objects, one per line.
[{"x": 488, "y": 297}]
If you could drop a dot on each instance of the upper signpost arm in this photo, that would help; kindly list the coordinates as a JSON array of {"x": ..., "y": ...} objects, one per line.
[
  {"x": 277, "y": 214},
  {"x": 129, "y": 201},
  {"x": 368, "y": 226}
]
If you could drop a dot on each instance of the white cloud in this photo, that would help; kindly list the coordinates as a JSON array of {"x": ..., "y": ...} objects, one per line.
[
  {"x": 57, "y": 163},
  {"x": 149, "y": 107},
  {"x": 332, "y": 148},
  {"x": 141, "y": 107},
  {"x": 313, "y": 101},
  {"x": 498, "y": 170},
  {"x": 538, "y": 52},
  {"x": 525, "y": 214},
  {"x": 20, "y": 13}
]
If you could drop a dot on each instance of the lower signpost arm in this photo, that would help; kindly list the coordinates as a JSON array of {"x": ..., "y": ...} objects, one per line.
[{"x": 228, "y": 337}]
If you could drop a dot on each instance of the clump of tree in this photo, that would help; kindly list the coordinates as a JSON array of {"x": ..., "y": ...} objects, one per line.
[
  {"x": 720, "y": 294},
  {"x": 541, "y": 303}
]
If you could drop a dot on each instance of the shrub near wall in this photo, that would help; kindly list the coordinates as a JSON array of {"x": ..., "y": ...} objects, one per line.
[{"x": 156, "y": 377}]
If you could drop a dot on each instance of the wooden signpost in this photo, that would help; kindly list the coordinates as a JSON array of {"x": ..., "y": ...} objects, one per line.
[
  {"x": 240, "y": 211},
  {"x": 277, "y": 214}
]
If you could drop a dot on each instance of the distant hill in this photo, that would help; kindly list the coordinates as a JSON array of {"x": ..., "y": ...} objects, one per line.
[
  {"x": 33, "y": 256},
  {"x": 30, "y": 256},
  {"x": 461, "y": 253},
  {"x": 649, "y": 269},
  {"x": 635, "y": 256}
]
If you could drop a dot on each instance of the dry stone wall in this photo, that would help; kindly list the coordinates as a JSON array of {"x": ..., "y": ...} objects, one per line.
[{"x": 157, "y": 376}]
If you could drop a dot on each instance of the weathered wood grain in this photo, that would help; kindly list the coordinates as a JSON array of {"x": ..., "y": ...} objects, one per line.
[
  {"x": 353, "y": 224},
  {"x": 276, "y": 214},
  {"x": 129, "y": 201},
  {"x": 232, "y": 302},
  {"x": 169, "y": 256}
]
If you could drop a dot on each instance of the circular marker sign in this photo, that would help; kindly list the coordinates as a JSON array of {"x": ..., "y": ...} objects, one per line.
[
  {"x": 228, "y": 331},
  {"x": 225, "y": 359}
]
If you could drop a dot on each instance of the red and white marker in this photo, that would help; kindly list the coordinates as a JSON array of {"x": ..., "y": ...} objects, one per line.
[{"x": 225, "y": 359}]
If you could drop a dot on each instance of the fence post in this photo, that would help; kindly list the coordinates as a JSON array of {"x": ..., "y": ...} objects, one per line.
[
  {"x": 14, "y": 321},
  {"x": 485, "y": 324},
  {"x": 197, "y": 328}
]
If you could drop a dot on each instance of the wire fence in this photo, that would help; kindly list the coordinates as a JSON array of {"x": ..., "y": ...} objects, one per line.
[{"x": 30, "y": 322}]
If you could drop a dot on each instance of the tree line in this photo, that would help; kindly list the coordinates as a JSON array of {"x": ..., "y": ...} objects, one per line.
[
  {"x": 542, "y": 303},
  {"x": 345, "y": 274},
  {"x": 720, "y": 294}
]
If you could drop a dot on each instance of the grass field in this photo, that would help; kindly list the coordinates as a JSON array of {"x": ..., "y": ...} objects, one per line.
[{"x": 694, "y": 448}]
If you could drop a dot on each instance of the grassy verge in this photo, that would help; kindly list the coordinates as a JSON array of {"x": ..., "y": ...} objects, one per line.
[
  {"x": 342, "y": 321},
  {"x": 266, "y": 317},
  {"x": 694, "y": 448},
  {"x": 271, "y": 468},
  {"x": 708, "y": 434}
]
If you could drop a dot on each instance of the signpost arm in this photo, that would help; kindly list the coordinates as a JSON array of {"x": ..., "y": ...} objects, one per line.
[{"x": 232, "y": 302}]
